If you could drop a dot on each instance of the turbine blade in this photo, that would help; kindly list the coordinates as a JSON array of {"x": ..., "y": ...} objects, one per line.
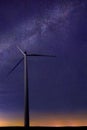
[
  {"x": 43, "y": 55},
  {"x": 15, "y": 66},
  {"x": 20, "y": 50}
]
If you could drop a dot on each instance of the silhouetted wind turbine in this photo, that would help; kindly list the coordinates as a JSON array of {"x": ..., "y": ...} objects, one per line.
[{"x": 25, "y": 55}]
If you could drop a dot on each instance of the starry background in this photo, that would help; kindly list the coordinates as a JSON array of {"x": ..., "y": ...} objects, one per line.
[{"x": 58, "y": 27}]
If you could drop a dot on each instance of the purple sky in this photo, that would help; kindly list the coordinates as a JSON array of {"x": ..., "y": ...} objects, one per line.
[{"x": 57, "y": 27}]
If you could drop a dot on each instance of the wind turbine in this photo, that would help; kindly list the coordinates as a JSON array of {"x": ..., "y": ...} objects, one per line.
[{"x": 26, "y": 95}]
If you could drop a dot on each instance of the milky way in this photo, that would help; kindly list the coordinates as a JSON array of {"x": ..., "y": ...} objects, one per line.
[{"x": 28, "y": 33}]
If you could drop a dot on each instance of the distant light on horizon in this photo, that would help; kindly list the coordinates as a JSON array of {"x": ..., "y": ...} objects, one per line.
[{"x": 47, "y": 120}]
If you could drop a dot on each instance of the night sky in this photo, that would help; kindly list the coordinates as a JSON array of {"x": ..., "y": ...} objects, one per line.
[{"x": 54, "y": 27}]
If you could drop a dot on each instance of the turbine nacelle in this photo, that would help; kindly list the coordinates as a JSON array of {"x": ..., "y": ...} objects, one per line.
[{"x": 25, "y": 53}]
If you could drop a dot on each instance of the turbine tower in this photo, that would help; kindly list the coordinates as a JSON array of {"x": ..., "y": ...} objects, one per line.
[{"x": 26, "y": 92}]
